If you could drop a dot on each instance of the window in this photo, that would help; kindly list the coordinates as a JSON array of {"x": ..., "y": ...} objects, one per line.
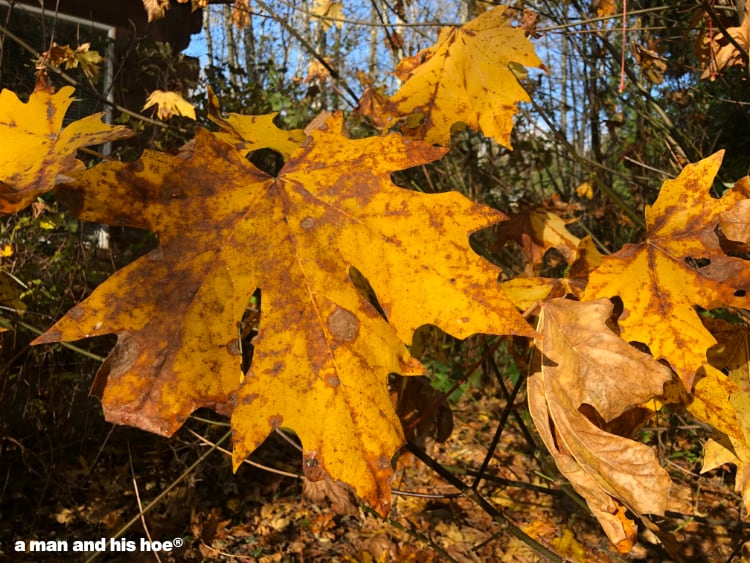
[{"x": 37, "y": 30}]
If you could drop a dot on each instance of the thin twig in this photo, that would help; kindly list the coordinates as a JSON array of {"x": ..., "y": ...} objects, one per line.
[
  {"x": 728, "y": 36},
  {"x": 73, "y": 82},
  {"x": 166, "y": 491},
  {"x": 249, "y": 462},
  {"x": 510, "y": 401},
  {"x": 138, "y": 500},
  {"x": 309, "y": 48},
  {"x": 291, "y": 442}
]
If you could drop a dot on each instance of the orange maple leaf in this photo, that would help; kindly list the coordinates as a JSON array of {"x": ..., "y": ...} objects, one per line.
[
  {"x": 537, "y": 230},
  {"x": 36, "y": 148},
  {"x": 323, "y": 352},
  {"x": 659, "y": 280}
]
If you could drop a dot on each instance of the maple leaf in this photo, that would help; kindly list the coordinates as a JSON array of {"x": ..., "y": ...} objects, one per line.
[
  {"x": 731, "y": 405},
  {"x": 169, "y": 104},
  {"x": 585, "y": 365},
  {"x": 329, "y": 12},
  {"x": 372, "y": 105},
  {"x": 723, "y": 53},
  {"x": 59, "y": 55},
  {"x": 36, "y": 148},
  {"x": 323, "y": 352},
  {"x": 653, "y": 64},
  {"x": 88, "y": 60},
  {"x": 155, "y": 9},
  {"x": 735, "y": 222},
  {"x": 465, "y": 77},
  {"x": 248, "y": 133},
  {"x": 195, "y": 4},
  {"x": 658, "y": 281}
]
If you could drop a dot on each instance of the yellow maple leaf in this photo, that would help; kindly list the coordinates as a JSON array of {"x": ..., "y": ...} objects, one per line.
[
  {"x": 659, "y": 280},
  {"x": 88, "y": 60},
  {"x": 730, "y": 408},
  {"x": 585, "y": 189},
  {"x": 195, "y": 4},
  {"x": 586, "y": 366},
  {"x": 59, "y": 55},
  {"x": 249, "y": 133},
  {"x": 169, "y": 104},
  {"x": 36, "y": 148},
  {"x": 465, "y": 77},
  {"x": 323, "y": 352}
]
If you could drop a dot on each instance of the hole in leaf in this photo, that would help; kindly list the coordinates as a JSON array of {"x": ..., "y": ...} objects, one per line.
[
  {"x": 365, "y": 290},
  {"x": 739, "y": 293},
  {"x": 267, "y": 160},
  {"x": 248, "y": 329},
  {"x": 698, "y": 263},
  {"x": 641, "y": 347}
]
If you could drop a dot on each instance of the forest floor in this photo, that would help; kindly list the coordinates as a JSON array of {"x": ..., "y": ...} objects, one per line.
[{"x": 94, "y": 485}]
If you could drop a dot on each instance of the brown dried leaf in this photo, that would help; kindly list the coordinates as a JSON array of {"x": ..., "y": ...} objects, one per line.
[
  {"x": 586, "y": 367},
  {"x": 723, "y": 53}
]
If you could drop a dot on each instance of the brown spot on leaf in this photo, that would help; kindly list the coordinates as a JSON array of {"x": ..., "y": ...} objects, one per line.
[
  {"x": 77, "y": 312},
  {"x": 333, "y": 381},
  {"x": 275, "y": 421},
  {"x": 343, "y": 325},
  {"x": 249, "y": 398},
  {"x": 233, "y": 347},
  {"x": 307, "y": 223},
  {"x": 383, "y": 462}
]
